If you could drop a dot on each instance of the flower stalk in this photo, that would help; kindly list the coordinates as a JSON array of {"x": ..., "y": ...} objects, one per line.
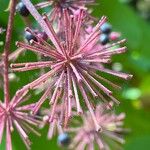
[{"x": 7, "y": 49}]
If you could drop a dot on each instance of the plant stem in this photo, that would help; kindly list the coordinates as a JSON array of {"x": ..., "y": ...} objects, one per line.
[{"x": 7, "y": 49}]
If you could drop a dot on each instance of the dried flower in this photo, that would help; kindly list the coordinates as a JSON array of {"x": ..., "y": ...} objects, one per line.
[
  {"x": 86, "y": 134},
  {"x": 74, "y": 66},
  {"x": 14, "y": 114}
]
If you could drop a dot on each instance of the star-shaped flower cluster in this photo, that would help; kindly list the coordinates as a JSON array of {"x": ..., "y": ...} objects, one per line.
[
  {"x": 74, "y": 66},
  {"x": 112, "y": 129},
  {"x": 57, "y": 6},
  {"x": 15, "y": 115}
]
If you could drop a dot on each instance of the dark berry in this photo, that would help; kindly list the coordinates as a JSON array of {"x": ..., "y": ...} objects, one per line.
[
  {"x": 21, "y": 8},
  {"x": 28, "y": 36},
  {"x": 64, "y": 139},
  {"x": 106, "y": 28},
  {"x": 104, "y": 39}
]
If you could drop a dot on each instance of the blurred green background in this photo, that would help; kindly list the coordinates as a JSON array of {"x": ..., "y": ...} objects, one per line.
[{"x": 135, "y": 95}]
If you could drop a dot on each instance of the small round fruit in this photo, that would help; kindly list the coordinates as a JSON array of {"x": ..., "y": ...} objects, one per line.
[
  {"x": 106, "y": 28},
  {"x": 104, "y": 39},
  {"x": 28, "y": 36},
  {"x": 21, "y": 8},
  {"x": 64, "y": 139}
]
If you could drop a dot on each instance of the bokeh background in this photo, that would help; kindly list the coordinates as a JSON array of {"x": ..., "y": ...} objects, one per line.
[{"x": 135, "y": 95}]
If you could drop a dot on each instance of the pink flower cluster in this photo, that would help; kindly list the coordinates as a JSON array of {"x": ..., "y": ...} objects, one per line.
[
  {"x": 86, "y": 134},
  {"x": 73, "y": 80}
]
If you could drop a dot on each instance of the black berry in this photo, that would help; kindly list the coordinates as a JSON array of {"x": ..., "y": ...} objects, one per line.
[
  {"x": 104, "y": 39},
  {"x": 106, "y": 28},
  {"x": 21, "y": 8},
  {"x": 28, "y": 36},
  {"x": 64, "y": 139}
]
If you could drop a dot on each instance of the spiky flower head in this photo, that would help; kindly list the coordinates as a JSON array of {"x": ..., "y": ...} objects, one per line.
[
  {"x": 57, "y": 7},
  {"x": 86, "y": 134},
  {"x": 15, "y": 115},
  {"x": 75, "y": 68}
]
